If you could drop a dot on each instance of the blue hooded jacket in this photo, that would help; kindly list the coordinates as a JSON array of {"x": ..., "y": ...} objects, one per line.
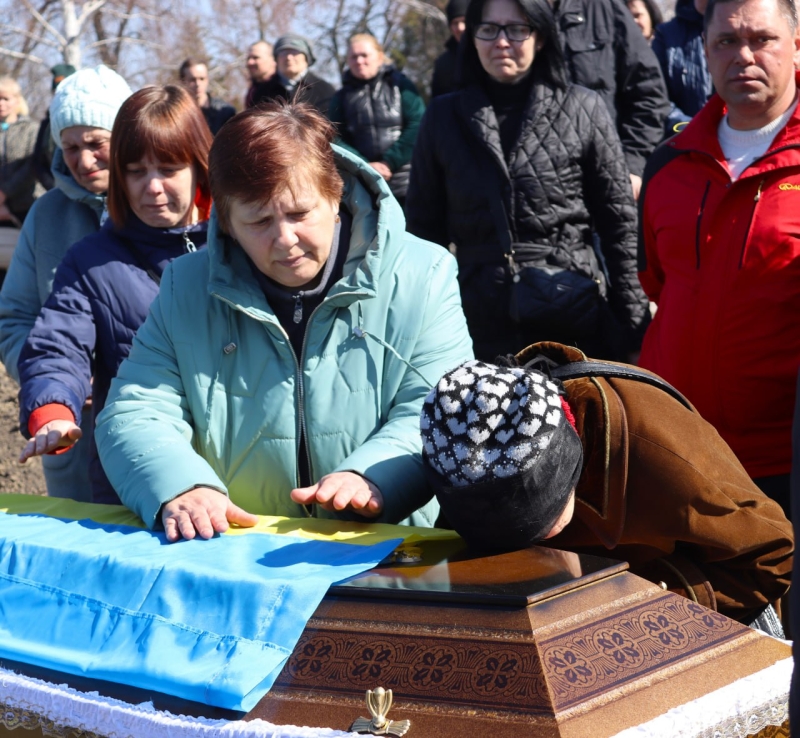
[
  {"x": 101, "y": 295},
  {"x": 678, "y": 44},
  {"x": 213, "y": 393}
]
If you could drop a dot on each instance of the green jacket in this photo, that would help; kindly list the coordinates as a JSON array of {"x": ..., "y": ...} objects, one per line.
[{"x": 212, "y": 393}]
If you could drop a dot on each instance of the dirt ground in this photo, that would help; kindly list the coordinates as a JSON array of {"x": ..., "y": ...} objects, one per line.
[{"x": 15, "y": 477}]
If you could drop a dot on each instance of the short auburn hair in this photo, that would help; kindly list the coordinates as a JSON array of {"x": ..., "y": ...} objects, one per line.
[
  {"x": 270, "y": 148},
  {"x": 162, "y": 122}
]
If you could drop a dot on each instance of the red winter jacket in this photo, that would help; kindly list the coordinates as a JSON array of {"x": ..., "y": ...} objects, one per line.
[{"x": 722, "y": 260}]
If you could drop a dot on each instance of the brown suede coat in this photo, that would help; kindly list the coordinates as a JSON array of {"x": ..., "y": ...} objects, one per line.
[{"x": 661, "y": 490}]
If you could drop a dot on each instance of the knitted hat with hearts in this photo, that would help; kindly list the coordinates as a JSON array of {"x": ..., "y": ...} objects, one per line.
[{"x": 500, "y": 453}]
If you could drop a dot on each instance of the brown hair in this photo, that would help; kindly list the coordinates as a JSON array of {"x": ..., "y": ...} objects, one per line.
[
  {"x": 188, "y": 64},
  {"x": 165, "y": 123},
  {"x": 269, "y": 148}
]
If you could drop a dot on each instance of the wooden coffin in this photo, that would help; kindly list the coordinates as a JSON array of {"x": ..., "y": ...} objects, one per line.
[
  {"x": 533, "y": 643},
  {"x": 536, "y": 643}
]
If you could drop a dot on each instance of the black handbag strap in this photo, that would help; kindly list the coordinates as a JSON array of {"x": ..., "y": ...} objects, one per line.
[
  {"x": 578, "y": 369},
  {"x": 500, "y": 216}
]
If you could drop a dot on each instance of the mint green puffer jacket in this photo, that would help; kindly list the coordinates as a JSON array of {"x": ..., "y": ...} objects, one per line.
[{"x": 212, "y": 393}]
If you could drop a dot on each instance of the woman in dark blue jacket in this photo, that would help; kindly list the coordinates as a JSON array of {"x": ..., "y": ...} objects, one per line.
[{"x": 158, "y": 203}]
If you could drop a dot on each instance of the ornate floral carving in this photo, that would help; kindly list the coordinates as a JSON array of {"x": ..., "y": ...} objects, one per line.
[
  {"x": 569, "y": 667},
  {"x": 434, "y": 667},
  {"x": 312, "y": 657},
  {"x": 527, "y": 676},
  {"x": 665, "y": 630},
  {"x": 497, "y": 673},
  {"x": 372, "y": 661},
  {"x": 619, "y": 647}
]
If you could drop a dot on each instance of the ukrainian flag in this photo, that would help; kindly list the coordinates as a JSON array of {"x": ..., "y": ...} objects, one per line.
[{"x": 87, "y": 590}]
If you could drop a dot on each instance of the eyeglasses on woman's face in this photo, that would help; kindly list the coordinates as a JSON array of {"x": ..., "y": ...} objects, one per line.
[{"x": 513, "y": 31}]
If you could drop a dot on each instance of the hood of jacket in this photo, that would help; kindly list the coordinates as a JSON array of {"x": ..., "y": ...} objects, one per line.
[
  {"x": 685, "y": 10},
  {"x": 69, "y": 186},
  {"x": 377, "y": 217}
]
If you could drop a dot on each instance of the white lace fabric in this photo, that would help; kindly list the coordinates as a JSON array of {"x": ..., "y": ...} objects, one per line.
[
  {"x": 32, "y": 703},
  {"x": 737, "y": 710}
]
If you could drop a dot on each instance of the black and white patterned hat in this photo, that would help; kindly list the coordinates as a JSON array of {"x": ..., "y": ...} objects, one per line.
[{"x": 501, "y": 453}]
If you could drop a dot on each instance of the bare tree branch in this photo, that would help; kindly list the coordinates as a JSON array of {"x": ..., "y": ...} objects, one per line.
[
  {"x": 38, "y": 39},
  {"x": 89, "y": 8},
  {"x": 20, "y": 55},
  {"x": 117, "y": 39},
  {"x": 131, "y": 16},
  {"x": 44, "y": 22}
]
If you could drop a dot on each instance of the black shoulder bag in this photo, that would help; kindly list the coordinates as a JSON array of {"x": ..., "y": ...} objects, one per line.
[{"x": 560, "y": 301}]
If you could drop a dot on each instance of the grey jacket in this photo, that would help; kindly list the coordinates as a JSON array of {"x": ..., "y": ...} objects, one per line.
[{"x": 58, "y": 219}]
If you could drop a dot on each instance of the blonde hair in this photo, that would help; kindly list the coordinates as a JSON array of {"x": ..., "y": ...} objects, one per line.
[
  {"x": 368, "y": 37},
  {"x": 9, "y": 84}
]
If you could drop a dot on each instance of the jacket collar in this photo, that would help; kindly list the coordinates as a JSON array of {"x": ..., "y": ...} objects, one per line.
[
  {"x": 601, "y": 422},
  {"x": 477, "y": 111},
  {"x": 701, "y": 134},
  {"x": 67, "y": 184},
  {"x": 377, "y": 219}
]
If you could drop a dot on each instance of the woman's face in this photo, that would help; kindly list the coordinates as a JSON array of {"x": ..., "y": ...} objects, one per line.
[
  {"x": 289, "y": 238},
  {"x": 161, "y": 195},
  {"x": 364, "y": 60},
  {"x": 9, "y": 105},
  {"x": 506, "y": 61},
  {"x": 86, "y": 153},
  {"x": 641, "y": 17}
]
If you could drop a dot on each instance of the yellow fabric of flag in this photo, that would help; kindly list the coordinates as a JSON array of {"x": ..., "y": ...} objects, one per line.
[{"x": 313, "y": 528}]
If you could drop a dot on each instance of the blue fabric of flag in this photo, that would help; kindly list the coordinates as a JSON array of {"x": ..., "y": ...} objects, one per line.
[{"x": 211, "y": 621}]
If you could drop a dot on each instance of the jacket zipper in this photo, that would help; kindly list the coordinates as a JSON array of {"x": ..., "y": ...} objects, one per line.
[
  {"x": 300, "y": 385},
  {"x": 699, "y": 221},
  {"x": 301, "y": 398},
  {"x": 188, "y": 243},
  {"x": 750, "y": 223}
]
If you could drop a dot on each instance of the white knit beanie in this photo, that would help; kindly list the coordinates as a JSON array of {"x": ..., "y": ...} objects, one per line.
[{"x": 90, "y": 97}]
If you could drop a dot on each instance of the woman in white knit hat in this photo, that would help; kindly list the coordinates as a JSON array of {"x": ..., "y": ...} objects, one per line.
[{"x": 81, "y": 117}]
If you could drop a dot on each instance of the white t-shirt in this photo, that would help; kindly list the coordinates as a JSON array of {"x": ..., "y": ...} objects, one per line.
[{"x": 742, "y": 148}]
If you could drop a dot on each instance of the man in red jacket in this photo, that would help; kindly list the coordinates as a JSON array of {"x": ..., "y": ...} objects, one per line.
[{"x": 719, "y": 248}]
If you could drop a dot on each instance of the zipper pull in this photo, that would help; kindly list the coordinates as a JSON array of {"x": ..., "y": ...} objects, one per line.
[
  {"x": 188, "y": 243},
  {"x": 758, "y": 194},
  {"x": 298, "y": 309}
]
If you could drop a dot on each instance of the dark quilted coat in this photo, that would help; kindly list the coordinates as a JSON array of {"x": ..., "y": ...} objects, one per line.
[
  {"x": 566, "y": 175},
  {"x": 101, "y": 295},
  {"x": 606, "y": 52}
]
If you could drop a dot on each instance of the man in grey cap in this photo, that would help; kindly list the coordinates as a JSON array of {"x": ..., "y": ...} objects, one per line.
[{"x": 293, "y": 81}]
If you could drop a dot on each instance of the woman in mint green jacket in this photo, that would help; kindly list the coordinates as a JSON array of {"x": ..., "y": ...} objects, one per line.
[{"x": 282, "y": 371}]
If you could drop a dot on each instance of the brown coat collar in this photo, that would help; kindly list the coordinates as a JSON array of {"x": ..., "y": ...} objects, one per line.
[{"x": 601, "y": 423}]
